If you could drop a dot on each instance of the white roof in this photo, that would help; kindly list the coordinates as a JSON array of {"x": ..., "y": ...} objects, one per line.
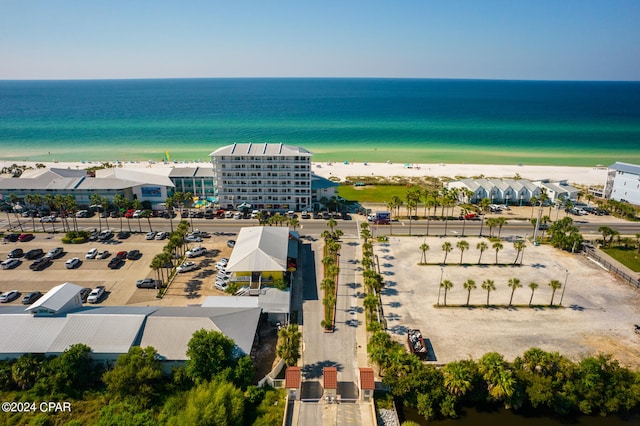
[
  {"x": 261, "y": 149},
  {"x": 227, "y": 301},
  {"x": 136, "y": 177},
  {"x": 260, "y": 248},
  {"x": 24, "y": 333},
  {"x": 103, "y": 333},
  {"x": 169, "y": 330},
  {"x": 274, "y": 301},
  {"x": 56, "y": 298}
]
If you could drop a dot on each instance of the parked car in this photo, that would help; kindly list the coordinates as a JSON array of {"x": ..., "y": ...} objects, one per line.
[
  {"x": 11, "y": 238},
  {"x": 305, "y": 215},
  {"x": 196, "y": 251},
  {"x": 221, "y": 285},
  {"x": 15, "y": 253},
  {"x": 40, "y": 264},
  {"x": 105, "y": 235},
  {"x": 161, "y": 235},
  {"x": 148, "y": 283},
  {"x": 48, "y": 219},
  {"x": 84, "y": 294},
  {"x": 25, "y": 237},
  {"x": 72, "y": 263},
  {"x": 94, "y": 235},
  {"x": 55, "y": 253},
  {"x": 222, "y": 263},
  {"x": 231, "y": 243},
  {"x": 123, "y": 235},
  {"x": 134, "y": 255},
  {"x": 10, "y": 263},
  {"x": 115, "y": 263},
  {"x": 122, "y": 254},
  {"x": 96, "y": 294},
  {"x": 150, "y": 235},
  {"x": 31, "y": 297},
  {"x": 91, "y": 254},
  {"x": 129, "y": 213},
  {"x": 33, "y": 253},
  {"x": 186, "y": 267},
  {"x": 103, "y": 254},
  {"x": 9, "y": 296},
  {"x": 193, "y": 238},
  {"x": 136, "y": 214}
]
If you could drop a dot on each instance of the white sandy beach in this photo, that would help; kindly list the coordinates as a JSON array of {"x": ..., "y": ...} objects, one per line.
[{"x": 589, "y": 176}]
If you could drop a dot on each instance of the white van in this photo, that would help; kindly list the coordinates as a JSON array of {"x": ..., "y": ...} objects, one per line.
[{"x": 228, "y": 214}]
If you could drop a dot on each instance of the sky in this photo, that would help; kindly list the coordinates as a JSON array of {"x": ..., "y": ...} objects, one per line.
[{"x": 476, "y": 39}]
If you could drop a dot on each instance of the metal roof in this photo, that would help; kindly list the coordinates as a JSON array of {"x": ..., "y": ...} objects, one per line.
[
  {"x": 260, "y": 248},
  {"x": 626, "y": 167},
  {"x": 24, "y": 333},
  {"x": 318, "y": 182},
  {"x": 261, "y": 149},
  {"x": 56, "y": 298},
  {"x": 103, "y": 333},
  {"x": 226, "y": 301},
  {"x": 182, "y": 172},
  {"x": 274, "y": 301}
]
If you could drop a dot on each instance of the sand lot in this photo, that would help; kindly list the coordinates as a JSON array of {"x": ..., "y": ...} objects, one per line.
[{"x": 597, "y": 313}]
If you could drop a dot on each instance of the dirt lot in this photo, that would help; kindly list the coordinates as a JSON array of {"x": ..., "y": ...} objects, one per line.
[
  {"x": 187, "y": 288},
  {"x": 598, "y": 313}
]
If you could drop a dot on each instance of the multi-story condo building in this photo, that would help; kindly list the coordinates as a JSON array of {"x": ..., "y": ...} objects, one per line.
[
  {"x": 274, "y": 177},
  {"x": 623, "y": 183}
]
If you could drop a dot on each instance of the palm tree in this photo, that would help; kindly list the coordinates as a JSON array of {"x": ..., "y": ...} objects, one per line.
[
  {"x": 462, "y": 246},
  {"x": 13, "y": 199},
  {"x": 446, "y": 284},
  {"x": 30, "y": 199},
  {"x": 497, "y": 246},
  {"x": 294, "y": 222},
  {"x": 488, "y": 285},
  {"x": 605, "y": 231},
  {"x": 72, "y": 207},
  {"x": 458, "y": 378},
  {"x": 121, "y": 203},
  {"x": 519, "y": 245},
  {"x": 96, "y": 199},
  {"x": 469, "y": 285},
  {"x": 533, "y": 201},
  {"x": 370, "y": 302},
  {"x": 482, "y": 246},
  {"x": 136, "y": 204},
  {"x": 514, "y": 283},
  {"x": 289, "y": 344},
  {"x": 423, "y": 248},
  {"x": 533, "y": 286},
  {"x": 169, "y": 206},
  {"x": 500, "y": 221},
  {"x": 447, "y": 248},
  {"x": 331, "y": 224},
  {"x": 147, "y": 215},
  {"x": 555, "y": 285}
]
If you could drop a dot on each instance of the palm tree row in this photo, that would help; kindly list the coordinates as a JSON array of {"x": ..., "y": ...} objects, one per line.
[
  {"x": 482, "y": 246},
  {"x": 331, "y": 271},
  {"x": 489, "y": 285},
  {"x": 373, "y": 281},
  {"x": 163, "y": 263}
]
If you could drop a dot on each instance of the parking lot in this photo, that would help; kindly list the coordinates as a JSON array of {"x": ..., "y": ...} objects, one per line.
[
  {"x": 186, "y": 288},
  {"x": 598, "y": 312}
]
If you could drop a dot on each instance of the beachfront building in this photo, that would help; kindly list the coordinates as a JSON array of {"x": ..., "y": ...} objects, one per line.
[
  {"x": 623, "y": 183},
  {"x": 195, "y": 180},
  {"x": 512, "y": 191},
  {"x": 273, "y": 177},
  {"x": 130, "y": 183}
]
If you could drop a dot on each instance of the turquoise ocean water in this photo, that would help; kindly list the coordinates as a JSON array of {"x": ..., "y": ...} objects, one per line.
[{"x": 402, "y": 120}]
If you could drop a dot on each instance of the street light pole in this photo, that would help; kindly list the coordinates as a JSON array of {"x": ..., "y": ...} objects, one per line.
[
  {"x": 440, "y": 285},
  {"x": 564, "y": 287}
]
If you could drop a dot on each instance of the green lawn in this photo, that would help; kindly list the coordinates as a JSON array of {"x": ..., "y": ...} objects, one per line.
[
  {"x": 372, "y": 193},
  {"x": 627, "y": 256}
]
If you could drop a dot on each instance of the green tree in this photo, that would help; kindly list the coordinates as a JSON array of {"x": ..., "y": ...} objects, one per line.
[
  {"x": 209, "y": 353},
  {"x": 458, "y": 377},
  {"x": 497, "y": 246},
  {"x": 469, "y": 285},
  {"x": 215, "y": 403},
  {"x": 533, "y": 286},
  {"x": 70, "y": 373},
  {"x": 481, "y": 246},
  {"x": 447, "y": 285},
  {"x": 519, "y": 245},
  {"x": 423, "y": 248},
  {"x": 513, "y": 284},
  {"x": 25, "y": 371},
  {"x": 289, "y": 344},
  {"x": 489, "y": 286},
  {"x": 137, "y": 375},
  {"x": 555, "y": 285},
  {"x": 462, "y": 246},
  {"x": 446, "y": 248}
]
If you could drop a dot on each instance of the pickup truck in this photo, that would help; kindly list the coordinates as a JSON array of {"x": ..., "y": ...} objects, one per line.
[{"x": 96, "y": 294}]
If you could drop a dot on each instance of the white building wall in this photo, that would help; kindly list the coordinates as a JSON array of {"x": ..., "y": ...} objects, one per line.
[{"x": 626, "y": 187}]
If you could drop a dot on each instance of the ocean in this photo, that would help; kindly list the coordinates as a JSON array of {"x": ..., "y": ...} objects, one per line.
[{"x": 374, "y": 120}]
